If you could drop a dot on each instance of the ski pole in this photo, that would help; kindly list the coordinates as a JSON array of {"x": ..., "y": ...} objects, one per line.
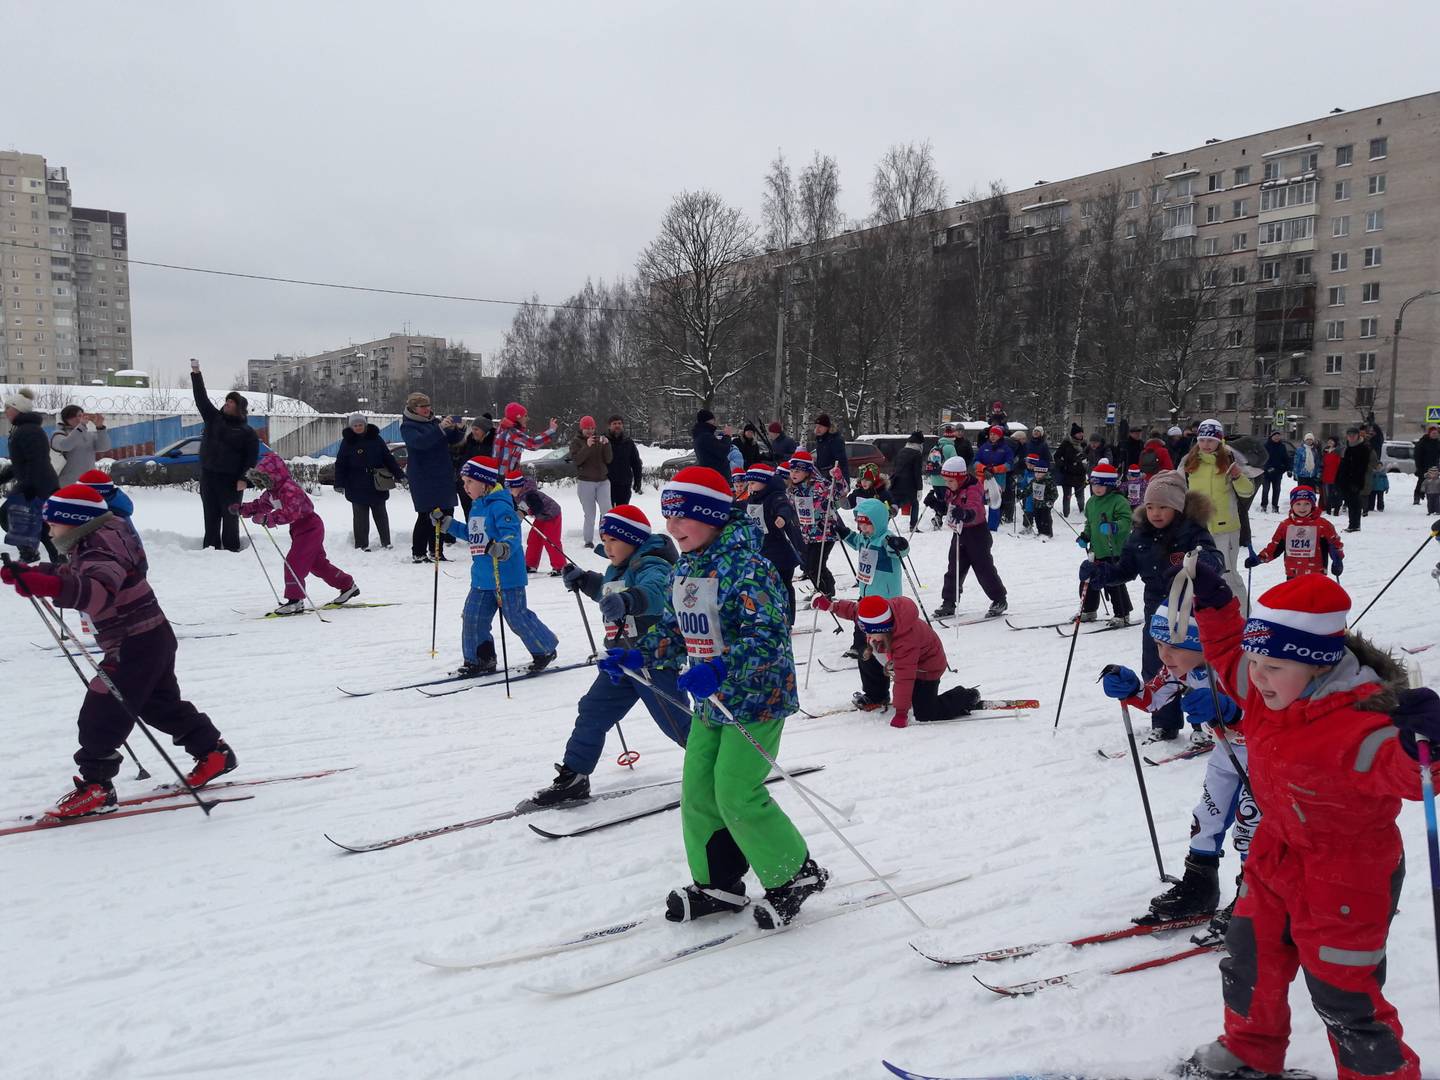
[
  {"x": 584, "y": 619},
  {"x": 904, "y": 564},
  {"x": 1392, "y": 580},
  {"x": 629, "y": 757},
  {"x": 1249, "y": 577},
  {"x": 815, "y": 586},
  {"x": 814, "y": 633},
  {"x": 291, "y": 571},
  {"x": 500, "y": 610},
  {"x": 804, "y": 794},
  {"x": 834, "y": 489},
  {"x": 435, "y": 593},
  {"x": 244, "y": 525},
  {"x": 1432, "y": 834},
  {"x": 911, "y": 563},
  {"x": 108, "y": 683},
  {"x": 1144, "y": 795},
  {"x": 1070, "y": 659}
]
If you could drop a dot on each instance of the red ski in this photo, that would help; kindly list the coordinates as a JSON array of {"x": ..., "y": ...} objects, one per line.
[
  {"x": 1012, "y": 951},
  {"x": 1036, "y": 985},
  {"x": 46, "y": 823}
]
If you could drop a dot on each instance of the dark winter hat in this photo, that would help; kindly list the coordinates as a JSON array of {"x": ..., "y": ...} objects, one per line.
[
  {"x": 1296, "y": 494},
  {"x": 628, "y": 524},
  {"x": 750, "y": 427},
  {"x": 699, "y": 494},
  {"x": 74, "y": 504},
  {"x": 823, "y": 420},
  {"x": 762, "y": 472},
  {"x": 917, "y": 437},
  {"x": 239, "y": 399},
  {"x": 614, "y": 417},
  {"x": 704, "y": 416},
  {"x": 1302, "y": 619},
  {"x": 875, "y": 615},
  {"x": 774, "y": 427},
  {"x": 515, "y": 480},
  {"x": 1076, "y": 429},
  {"x": 484, "y": 469},
  {"x": 102, "y": 483}
]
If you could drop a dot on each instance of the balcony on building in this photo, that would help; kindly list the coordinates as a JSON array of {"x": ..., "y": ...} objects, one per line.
[{"x": 1044, "y": 217}]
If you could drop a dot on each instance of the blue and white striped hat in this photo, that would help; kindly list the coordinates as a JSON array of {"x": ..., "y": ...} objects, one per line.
[
  {"x": 697, "y": 493},
  {"x": 484, "y": 469},
  {"x": 74, "y": 504}
]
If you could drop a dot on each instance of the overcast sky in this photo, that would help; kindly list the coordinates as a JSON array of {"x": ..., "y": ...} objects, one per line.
[{"x": 503, "y": 150}]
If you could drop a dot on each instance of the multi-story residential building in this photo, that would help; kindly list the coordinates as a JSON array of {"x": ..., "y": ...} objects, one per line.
[
  {"x": 64, "y": 276},
  {"x": 373, "y": 370}
]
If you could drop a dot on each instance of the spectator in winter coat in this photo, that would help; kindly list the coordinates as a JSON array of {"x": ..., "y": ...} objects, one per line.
[
  {"x": 749, "y": 444},
  {"x": 1070, "y": 469},
  {"x": 1177, "y": 443},
  {"x": 366, "y": 470},
  {"x": 1427, "y": 456},
  {"x": 907, "y": 477},
  {"x": 1353, "y": 476},
  {"x": 479, "y": 441},
  {"x": 30, "y": 468},
  {"x": 996, "y": 454},
  {"x": 544, "y": 517},
  {"x": 1306, "y": 540},
  {"x": 625, "y": 467},
  {"x": 282, "y": 502},
  {"x": 1131, "y": 446},
  {"x": 1037, "y": 447},
  {"x": 782, "y": 446},
  {"x": 427, "y": 468},
  {"x": 829, "y": 448},
  {"x": 1277, "y": 464},
  {"x": 513, "y": 438},
  {"x": 712, "y": 446},
  {"x": 997, "y": 415},
  {"x": 1154, "y": 457},
  {"x": 81, "y": 439},
  {"x": 591, "y": 455},
  {"x": 1329, "y": 474},
  {"x": 1307, "y": 464},
  {"x": 1096, "y": 451},
  {"x": 1212, "y": 469},
  {"x": 229, "y": 448}
]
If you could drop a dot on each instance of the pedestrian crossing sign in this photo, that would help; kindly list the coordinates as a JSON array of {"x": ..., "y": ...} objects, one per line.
[{"x": 1432, "y": 414}]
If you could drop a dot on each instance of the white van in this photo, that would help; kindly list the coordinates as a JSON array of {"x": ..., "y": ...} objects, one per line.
[{"x": 1398, "y": 456}]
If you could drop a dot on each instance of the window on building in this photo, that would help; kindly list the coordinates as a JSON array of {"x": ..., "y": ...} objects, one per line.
[
  {"x": 1232, "y": 401},
  {"x": 1183, "y": 187},
  {"x": 1277, "y": 232},
  {"x": 1237, "y": 306},
  {"x": 1212, "y": 213},
  {"x": 1335, "y": 330},
  {"x": 1365, "y": 363},
  {"x": 1207, "y": 403},
  {"x": 1240, "y": 208},
  {"x": 1337, "y": 296},
  {"x": 1207, "y": 309},
  {"x": 1297, "y": 399},
  {"x": 1235, "y": 339},
  {"x": 1376, "y": 183},
  {"x": 1279, "y": 198},
  {"x": 1340, "y": 226},
  {"x": 1242, "y": 175},
  {"x": 1131, "y": 230},
  {"x": 1342, "y": 190},
  {"x": 1215, "y": 182},
  {"x": 1365, "y": 397},
  {"x": 1369, "y": 328},
  {"x": 1237, "y": 275},
  {"x": 1379, "y": 148},
  {"x": 1370, "y": 292},
  {"x": 1211, "y": 246},
  {"x": 1210, "y": 279},
  {"x": 1157, "y": 194},
  {"x": 1232, "y": 369},
  {"x": 1372, "y": 256},
  {"x": 1272, "y": 170},
  {"x": 1339, "y": 260},
  {"x": 1375, "y": 221},
  {"x": 1309, "y": 162},
  {"x": 1303, "y": 266},
  {"x": 1330, "y": 398},
  {"x": 1334, "y": 363},
  {"x": 1269, "y": 269},
  {"x": 1344, "y": 155},
  {"x": 1132, "y": 200},
  {"x": 1240, "y": 241}
]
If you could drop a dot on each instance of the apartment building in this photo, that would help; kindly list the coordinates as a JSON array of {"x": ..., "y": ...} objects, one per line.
[
  {"x": 1321, "y": 232},
  {"x": 373, "y": 369},
  {"x": 64, "y": 280}
]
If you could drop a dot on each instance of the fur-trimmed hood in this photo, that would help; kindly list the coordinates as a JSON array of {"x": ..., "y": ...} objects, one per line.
[{"x": 1365, "y": 661}]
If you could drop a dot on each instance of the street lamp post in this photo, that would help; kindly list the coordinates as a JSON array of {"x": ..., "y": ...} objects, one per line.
[{"x": 1395, "y": 356}]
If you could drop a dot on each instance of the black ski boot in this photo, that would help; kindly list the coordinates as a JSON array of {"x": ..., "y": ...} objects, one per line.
[
  {"x": 944, "y": 611},
  {"x": 697, "y": 901},
  {"x": 1214, "y": 933},
  {"x": 865, "y": 703},
  {"x": 569, "y": 786},
  {"x": 1197, "y": 894},
  {"x": 782, "y": 903},
  {"x": 483, "y": 665},
  {"x": 998, "y": 608},
  {"x": 539, "y": 662}
]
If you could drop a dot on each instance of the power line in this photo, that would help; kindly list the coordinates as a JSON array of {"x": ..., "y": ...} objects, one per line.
[{"x": 315, "y": 284}]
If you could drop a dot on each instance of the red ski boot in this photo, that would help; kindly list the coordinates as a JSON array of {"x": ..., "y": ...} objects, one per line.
[
  {"x": 207, "y": 767},
  {"x": 86, "y": 800}
]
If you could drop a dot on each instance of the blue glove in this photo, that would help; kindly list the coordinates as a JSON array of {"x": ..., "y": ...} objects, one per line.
[
  {"x": 616, "y": 660},
  {"x": 1108, "y": 528},
  {"x": 1337, "y": 564},
  {"x": 573, "y": 577},
  {"x": 1081, "y": 542},
  {"x": 615, "y": 606},
  {"x": 1418, "y": 714},
  {"x": 1252, "y": 561},
  {"x": 1199, "y": 707},
  {"x": 703, "y": 679},
  {"x": 1119, "y": 682}
]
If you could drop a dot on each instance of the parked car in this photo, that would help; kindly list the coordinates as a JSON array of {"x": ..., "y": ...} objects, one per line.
[
  {"x": 1398, "y": 456},
  {"x": 550, "y": 467},
  {"x": 867, "y": 453},
  {"x": 178, "y": 463},
  {"x": 326, "y": 476},
  {"x": 670, "y": 466},
  {"x": 890, "y": 445}
]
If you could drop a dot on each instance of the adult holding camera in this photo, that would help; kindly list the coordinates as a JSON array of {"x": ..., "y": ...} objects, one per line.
[
  {"x": 366, "y": 471},
  {"x": 32, "y": 473},
  {"x": 229, "y": 448},
  {"x": 428, "y": 439},
  {"x": 80, "y": 437},
  {"x": 591, "y": 455}
]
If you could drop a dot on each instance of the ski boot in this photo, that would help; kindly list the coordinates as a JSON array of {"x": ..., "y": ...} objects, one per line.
[
  {"x": 569, "y": 786},
  {"x": 944, "y": 611},
  {"x": 1115, "y": 622},
  {"x": 557, "y": 572},
  {"x": 1086, "y": 616},
  {"x": 87, "y": 800},
  {"x": 1214, "y": 1062},
  {"x": 1201, "y": 739},
  {"x": 1219, "y": 925},
  {"x": 697, "y": 901},
  {"x": 346, "y": 595},
  {"x": 1159, "y": 735},
  {"x": 1197, "y": 894},
  {"x": 539, "y": 662},
  {"x": 852, "y": 653},
  {"x": 782, "y": 903},
  {"x": 291, "y": 607},
  {"x": 998, "y": 608},
  {"x": 467, "y": 670},
  {"x": 208, "y": 766},
  {"x": 865, "y": 703}
]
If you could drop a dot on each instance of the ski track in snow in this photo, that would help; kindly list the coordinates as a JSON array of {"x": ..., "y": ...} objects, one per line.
[{"x": 246, "y": 946}]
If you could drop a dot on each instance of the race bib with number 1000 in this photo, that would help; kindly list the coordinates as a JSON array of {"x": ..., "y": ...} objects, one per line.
[{"x": 697, "y": 610}]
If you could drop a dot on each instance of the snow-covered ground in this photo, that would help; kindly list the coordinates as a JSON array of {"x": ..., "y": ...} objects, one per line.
[{"x": 170, "y": 946}]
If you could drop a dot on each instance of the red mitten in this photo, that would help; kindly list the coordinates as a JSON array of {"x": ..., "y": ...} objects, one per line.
[
  {"x": 34, "y": 583},
  {"x": 901, "y": 718},
  {"x": 820, "y": 602}
]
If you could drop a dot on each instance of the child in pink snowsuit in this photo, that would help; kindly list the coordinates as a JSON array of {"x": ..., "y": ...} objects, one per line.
[{"x": 284, "y": 503}]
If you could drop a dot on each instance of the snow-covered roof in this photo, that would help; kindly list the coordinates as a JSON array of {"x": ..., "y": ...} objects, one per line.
[
  {"x": 1044, "y": 205},
  {"x": 1182, "y": 174},
  {"x": 146, "y": 400},
  {"x": 1293, "y": 149}
]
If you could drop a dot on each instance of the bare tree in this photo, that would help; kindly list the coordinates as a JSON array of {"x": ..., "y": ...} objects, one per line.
[
  {"x": 906, "y": 183},
  {"x": 779, "y": 206},
  {"x": 697, "y": 296},
  {"x": 818, "y": 202}
]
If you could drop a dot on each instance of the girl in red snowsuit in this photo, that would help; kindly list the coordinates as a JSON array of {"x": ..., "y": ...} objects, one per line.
[
  {"x": 1332, "y": 752},
  {"x": 1305, "y": 538}
]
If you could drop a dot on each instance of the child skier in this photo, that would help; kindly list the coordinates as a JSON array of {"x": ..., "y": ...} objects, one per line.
[
  {"x": 545, "y": 520},
  {"x": 497, "y": 574},
  {"x": 116, "y": 500},
  {"x": 1108, "y": 520},
  {"x": 282, "y": 502},
  {"x": 1334, "y": 736},
  {"x": 870, "y": 485},
  {"x": 970, "y": 543},
  {"x": 813, "y": 495},
  {"x": 1135, "y": 483},
  {"x": 631, "y": 594},
  {"x": 770, "y": 509},
  {"x": 877, "y": 564},
  {"x": 724, "y": 616},
  {"x": 1042, "y": 495},
  {"x": 1021, "y": 478},
  {"x": 1431, "y": 488},
  {"x": 104, "y": 577},
  {"x": 1171, "y": 523},
  {"x": 1223, "y": 797},
  {"x": 1307, "y": 540},
  {"x": 900, "y": 644}
]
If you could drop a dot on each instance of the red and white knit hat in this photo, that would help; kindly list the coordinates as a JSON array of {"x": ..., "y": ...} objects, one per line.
[
  {"x": 74, "y": 504},
  {"x": 699, "y": 494},
  {"x": 515, "y": 479},
  {"x": 875, "y": 615},
  {"x": 1302, "y": 492},
  {"x": 627, "y": 524},
  {"x": 1104, "y": 473},
  {"x": 98, "y": 480},
  {"x": 954, "y": 466},
  {"x": 484, "y": 469},
  {"x": 762, "y": 472},
  {"x": 1302, "y": 619},
  {"x": 802, "y": 459}
]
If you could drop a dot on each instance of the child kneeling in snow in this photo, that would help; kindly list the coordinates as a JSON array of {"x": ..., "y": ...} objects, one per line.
[
  {"x": 283, "y": 503},
  {"x": 900, "y": 644},
  {"x": 1333, "y": 738}
]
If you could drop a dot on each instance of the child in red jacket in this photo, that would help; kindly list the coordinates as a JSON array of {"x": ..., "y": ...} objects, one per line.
[
  {"x": 1307, "y": 540},
  {"x": 1332, "y": 740}
]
